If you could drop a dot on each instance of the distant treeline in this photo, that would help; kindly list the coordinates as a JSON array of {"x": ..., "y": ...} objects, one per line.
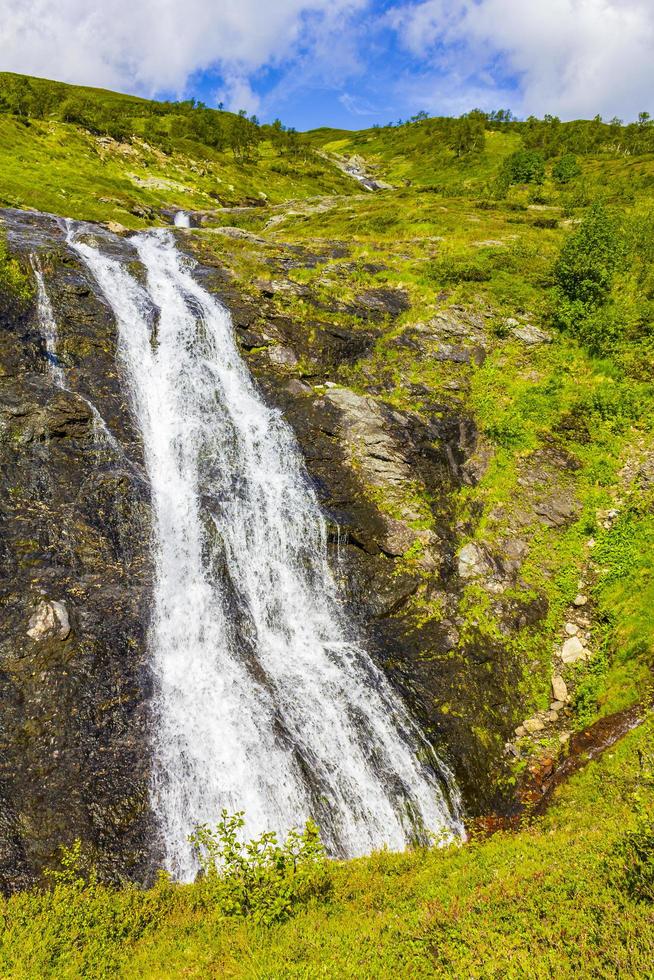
[
  {"x": 163, "y": 124},
  {"x": 168, "y": 124},
  {"x": 549, "y": 136}
]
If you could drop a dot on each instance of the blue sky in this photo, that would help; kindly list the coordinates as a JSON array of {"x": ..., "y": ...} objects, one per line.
[{"x": 349, "y": 63}]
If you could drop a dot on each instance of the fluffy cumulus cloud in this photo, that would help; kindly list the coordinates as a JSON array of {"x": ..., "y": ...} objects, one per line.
[
  {"x": 347, "y": 61},
  {"x": 149, "y": 46},
  {"x": 571, "y": 57}
]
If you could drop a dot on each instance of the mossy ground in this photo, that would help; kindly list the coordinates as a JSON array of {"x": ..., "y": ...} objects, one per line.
[{"x": 60, "y": 168}]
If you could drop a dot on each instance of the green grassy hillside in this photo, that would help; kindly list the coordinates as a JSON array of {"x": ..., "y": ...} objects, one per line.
[
  {"x": 86, "y": 153},
  {"x": 538, "y": 237}
]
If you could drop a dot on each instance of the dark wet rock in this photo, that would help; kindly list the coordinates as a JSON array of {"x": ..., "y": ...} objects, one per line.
[
  {"x": 74, "y": 586},
  {"x": 75, "y": 528},
  {"x": 383, "y": 302}
]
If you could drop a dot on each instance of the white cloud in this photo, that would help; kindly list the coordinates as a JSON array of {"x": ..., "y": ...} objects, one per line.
[
  {"x": 237, "y": 93},
  {"x": 357, "y": 106},
  {"x": 147, "y": 46},
  {"x": 571, "y": 57}
]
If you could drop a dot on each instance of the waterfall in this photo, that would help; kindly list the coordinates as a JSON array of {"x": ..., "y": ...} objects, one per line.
[
  {"x": 48, "y": 324},
  {"x": 264, "y": 700},
  {"x": 181, "y": 220}
]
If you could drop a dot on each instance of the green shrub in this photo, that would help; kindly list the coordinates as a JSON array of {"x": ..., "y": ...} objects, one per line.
[
  {"x": 589, "y": 259},
  {"x": 452, "y": 270},
  {"x": 632, "y": 860},
  {"x": 525, "y": 167},
  {"x": 584, "y": 275},
  {"x": 545, "y": 222},
  {"x": 634, "y": 853},
  {"x": 566, "y": 169},
  {"x": 262, "y": 878}
]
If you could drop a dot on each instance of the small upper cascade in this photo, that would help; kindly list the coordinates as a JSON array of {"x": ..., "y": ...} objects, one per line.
[
  {"x": 265, "y": 701},
  {"x": 182, "y": 219},
  {"x": 48, "y": 324},
  {"x": 49, "y": 332}
]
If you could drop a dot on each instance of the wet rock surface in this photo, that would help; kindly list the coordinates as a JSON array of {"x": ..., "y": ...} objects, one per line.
[
  {"x": 74, "y": 586},
  {"x": 398, "y": 565}
]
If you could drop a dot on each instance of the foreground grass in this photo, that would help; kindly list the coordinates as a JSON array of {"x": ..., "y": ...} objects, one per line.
[{"x": 546, "y": 901}]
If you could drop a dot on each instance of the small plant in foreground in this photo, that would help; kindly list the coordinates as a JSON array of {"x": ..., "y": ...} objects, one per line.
[{"x": 261, "y": 878}]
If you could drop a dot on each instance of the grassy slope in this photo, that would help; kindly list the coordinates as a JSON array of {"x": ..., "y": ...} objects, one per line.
[
  {"x": 61, "y": 168},
  {"x": 533, "y": 904},
  {"x": 546, "y": 901}
]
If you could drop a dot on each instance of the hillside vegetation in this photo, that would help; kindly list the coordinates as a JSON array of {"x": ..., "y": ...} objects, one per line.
[
  {"x": 523, "y": 255},
  {"x": 101, "y": 156},
  {"x": 567, "y": 896}
]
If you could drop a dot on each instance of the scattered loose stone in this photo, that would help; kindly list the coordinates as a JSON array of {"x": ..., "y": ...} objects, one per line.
[
  {"x": 471, "y": 561},
  {"x": 557, "y": 705},
  {"x": 559, "y": 688},
  {"x": 521, "y": 731},
  {"x": 49, "y": 617},
  {"x": 283, "y": 356},
  {"x": 564, "y": 737},
  {"x": 297, "y": 387},
  {"x": 572, "y": 650},
  {"x": 117, "y": 228},
  {"x": 580, "y": 600},
  {"x": 529, "y": 334},
  {"x": 571, "y": 629},
  {"x": 533, "y": 725},
  {"x": 552, "y": 715}
]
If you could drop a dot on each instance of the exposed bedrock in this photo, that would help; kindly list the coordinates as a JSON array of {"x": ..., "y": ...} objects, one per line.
[{"x": 74, "y": 586}]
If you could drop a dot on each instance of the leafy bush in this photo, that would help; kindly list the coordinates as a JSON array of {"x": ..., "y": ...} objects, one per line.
[
  {"x": 525, "y": 167},
  {"x": 262, "y": 878},
  {"x": 589, "y": 259},
  {"x": 453, "y": 270},
  {"x": 545, "y": 222},
  {"x": 632, "y": 860},
  {"x": 635, "y": 858},
  {"x": 566, "y": 169},
  {"x": 584, "y": 274}
]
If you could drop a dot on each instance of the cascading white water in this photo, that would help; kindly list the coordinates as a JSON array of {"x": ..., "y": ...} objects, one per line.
[
  {"x": 48, "y": 324},
  {"x": 264, "y": 701},
  {"x": 182, "y": 220}
]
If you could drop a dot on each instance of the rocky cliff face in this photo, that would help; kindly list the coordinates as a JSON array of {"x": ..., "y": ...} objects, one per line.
[
  {"x": 76, "y": 572},
  {"x": 74, "y": 530}
]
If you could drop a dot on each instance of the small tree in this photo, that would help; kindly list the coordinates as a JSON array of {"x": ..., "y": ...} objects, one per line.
[
  {"x": 566, "y": 169},
  {"x": 589, "y": 259},
  {"x": 584, "y": 273},
  {"x": 525, "y": 167},
  {"x": 468, "y": 134},
  {"x": 261, "y": 878}
]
